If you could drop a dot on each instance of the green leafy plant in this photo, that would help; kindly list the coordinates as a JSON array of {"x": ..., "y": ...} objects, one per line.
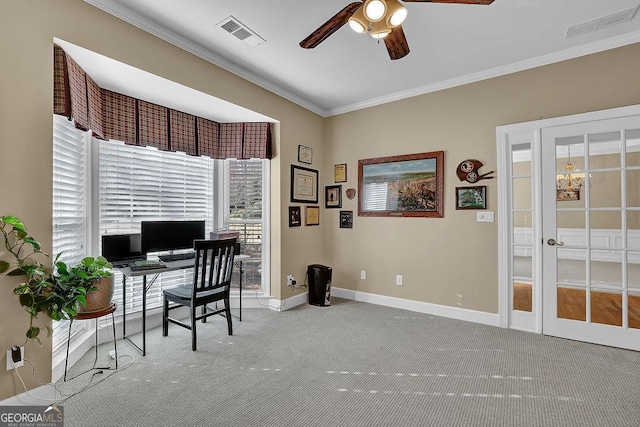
[{"x": 58, "y": 293}]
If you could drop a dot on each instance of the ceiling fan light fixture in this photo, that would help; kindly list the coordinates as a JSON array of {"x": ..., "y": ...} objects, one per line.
[
  {"x": 374, "y": 10},
  {"x": 380, "y": 30},
  {"x": 358, "y": 22},
  {"x": 396, "y": 13}
]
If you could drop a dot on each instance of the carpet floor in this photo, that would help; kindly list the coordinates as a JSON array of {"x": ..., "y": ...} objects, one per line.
[{"x": 356, "y": 364}]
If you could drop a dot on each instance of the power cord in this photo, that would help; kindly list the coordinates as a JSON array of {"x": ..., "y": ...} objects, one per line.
[
  {"x": 55, "y": 386},
  {"x": 36, "y": 377},
  {"x": 91, "y": 383},
  {"x": 277, "y": 308}
]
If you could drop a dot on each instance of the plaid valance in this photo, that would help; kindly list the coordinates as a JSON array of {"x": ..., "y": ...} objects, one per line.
[{"x": 111, "y": 115}]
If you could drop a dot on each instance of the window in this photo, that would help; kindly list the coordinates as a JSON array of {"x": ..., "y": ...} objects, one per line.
[
  {"x": 133, "y": 184},
  {"x": 70, "y": 175},
  {"x": 243, "y": 211},
  {"x": 141, "y": 183}
]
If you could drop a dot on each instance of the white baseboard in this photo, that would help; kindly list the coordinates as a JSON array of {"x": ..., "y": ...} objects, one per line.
[
  {"x": 39, "y": 396},
  {"x": 481, "y": 317},
  {"x": 288, "y": 303}
]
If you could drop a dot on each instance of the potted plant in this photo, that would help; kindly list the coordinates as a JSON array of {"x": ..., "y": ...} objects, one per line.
[{"x": 60, "y": 292}]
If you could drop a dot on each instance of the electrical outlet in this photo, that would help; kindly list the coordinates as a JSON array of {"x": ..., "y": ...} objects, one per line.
[
  {"x": 399, "y": 280},
  {"x": 10, "y": 357},
  {"x": 363, "y": 275},
  {"x": 291, "y": 280}
]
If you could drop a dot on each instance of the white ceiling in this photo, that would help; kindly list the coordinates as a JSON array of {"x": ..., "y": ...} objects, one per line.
[{"x": 451, "y": 44}]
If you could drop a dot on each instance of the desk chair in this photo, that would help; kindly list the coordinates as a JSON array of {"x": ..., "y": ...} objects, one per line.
[{"x": 211, "y": 282}]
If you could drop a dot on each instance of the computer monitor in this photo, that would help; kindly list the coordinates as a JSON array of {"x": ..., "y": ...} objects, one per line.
[
  {"x": 121, "y": 247},
  {"x": 162, "y": 236}
]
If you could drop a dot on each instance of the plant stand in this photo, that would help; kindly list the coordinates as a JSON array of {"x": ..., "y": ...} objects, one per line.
[{"x": 94, "y": 315}]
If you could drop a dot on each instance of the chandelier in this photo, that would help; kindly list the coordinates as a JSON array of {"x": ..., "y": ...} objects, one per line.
[
  {"x": 573, "y": 179},
  {"x": 378, "y": 17}
]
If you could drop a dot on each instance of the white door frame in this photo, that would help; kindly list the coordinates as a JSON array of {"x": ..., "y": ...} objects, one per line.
[{"x": 505, "y": 136}]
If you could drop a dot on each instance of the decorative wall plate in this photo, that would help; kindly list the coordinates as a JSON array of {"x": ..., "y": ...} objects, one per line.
[{"x": 351, "y": 193}]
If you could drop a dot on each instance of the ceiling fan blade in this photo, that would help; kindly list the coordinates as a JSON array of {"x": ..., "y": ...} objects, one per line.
[
  {"x": 396, "y": 43},
  {"x": 331, "y": 26},
  {"x": 487, "y": 2}
]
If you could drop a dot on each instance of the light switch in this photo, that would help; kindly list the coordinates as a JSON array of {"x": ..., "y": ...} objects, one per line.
[{"x": 484, "y": 216}]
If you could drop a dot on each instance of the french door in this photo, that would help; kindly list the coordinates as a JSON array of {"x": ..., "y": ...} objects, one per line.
[
  {"x": 591, "y": 232},
  {"x": 569, "y": 226}
]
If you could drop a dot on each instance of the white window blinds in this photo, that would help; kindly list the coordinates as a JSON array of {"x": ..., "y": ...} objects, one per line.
[
  {"x": 141, "y": 183},
  {"x": 69, "y": 203}
]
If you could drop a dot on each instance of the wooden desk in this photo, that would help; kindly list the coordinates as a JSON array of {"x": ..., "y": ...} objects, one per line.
[{"x": 154, "y": 273}]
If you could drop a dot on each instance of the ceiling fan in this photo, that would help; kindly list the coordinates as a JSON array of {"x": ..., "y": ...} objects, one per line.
[{"x": 382, "y": 19}]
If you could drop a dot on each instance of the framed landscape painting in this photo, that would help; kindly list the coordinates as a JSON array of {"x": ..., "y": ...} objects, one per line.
[
  {"x": 406, "y": 186},
  {"x": 471, "y": 197}
]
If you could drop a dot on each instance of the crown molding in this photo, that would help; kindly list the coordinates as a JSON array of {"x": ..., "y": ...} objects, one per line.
[
  {"x": 576, "y": 52},
  {"x": 169, "y": 36}
]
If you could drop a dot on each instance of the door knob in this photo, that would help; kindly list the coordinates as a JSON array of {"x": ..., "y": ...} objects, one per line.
[{"x": 552, "y": 242}]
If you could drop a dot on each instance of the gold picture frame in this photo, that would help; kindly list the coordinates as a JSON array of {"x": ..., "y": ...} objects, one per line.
[
  {"x": 312, "y": 215},
  {"x": 340, "y": 172}
]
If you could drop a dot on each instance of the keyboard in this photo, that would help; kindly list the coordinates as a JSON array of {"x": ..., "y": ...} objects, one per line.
[
  {"x": 135, "y": 267},
  {"x": 177, "y": 257}
]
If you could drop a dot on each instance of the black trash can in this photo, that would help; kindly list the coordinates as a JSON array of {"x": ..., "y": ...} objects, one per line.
[{"x": 319, "y": 277}]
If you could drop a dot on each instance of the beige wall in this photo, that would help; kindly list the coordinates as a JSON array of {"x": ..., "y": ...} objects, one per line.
[
  {"x": 28, "y": 28},
  {"x": 453, "y": 260}
]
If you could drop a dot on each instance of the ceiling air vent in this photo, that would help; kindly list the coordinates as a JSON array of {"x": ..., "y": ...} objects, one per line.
[
  {"x": 232, "y": 26},
  {"x": 602, "y": 22}
]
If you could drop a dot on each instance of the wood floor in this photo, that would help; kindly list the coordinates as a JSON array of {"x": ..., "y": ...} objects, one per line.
[{"x": 606, "y": 307}]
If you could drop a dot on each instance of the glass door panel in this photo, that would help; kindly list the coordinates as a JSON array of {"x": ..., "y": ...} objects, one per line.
[
  {"x": 522, "y": 233},
  {"x": 572, "y": 266},
  {"x": 572, "y": 303},
  {"x": 634, "y": 310},
  {"x": 632, "y": 147},
  {"x": 633, "y": 188},
  {"x": 606, "y": 268},
  {"x": 606, "y": 307},
  {"x": 522, "y": 278},
  {"x": 604, "y": 189},
  {"x": 591, "y": 234},
  {"x": 605, "y": 229},
  {"x": 604, "y": 150}
]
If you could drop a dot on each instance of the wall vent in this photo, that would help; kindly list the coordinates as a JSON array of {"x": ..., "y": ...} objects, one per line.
[
  {"x": 602, "y": 22},
  {"x": 232, "y": 26}
]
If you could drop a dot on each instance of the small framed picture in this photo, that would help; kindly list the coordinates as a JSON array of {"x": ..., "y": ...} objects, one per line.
[
  {"x": 471, "y": 197},
  {"x": 340, "y": 173},
  {"x": 333, "y": 196},
  {"x": 346, "y": 219},
  {"x": 305, "y": 154},
  {"x": 295, "y": 219},
  {"x": 312, "y": 215}
]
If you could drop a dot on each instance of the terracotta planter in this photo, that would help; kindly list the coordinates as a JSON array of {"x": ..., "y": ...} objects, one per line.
[{"x": 101, "y": 298}]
